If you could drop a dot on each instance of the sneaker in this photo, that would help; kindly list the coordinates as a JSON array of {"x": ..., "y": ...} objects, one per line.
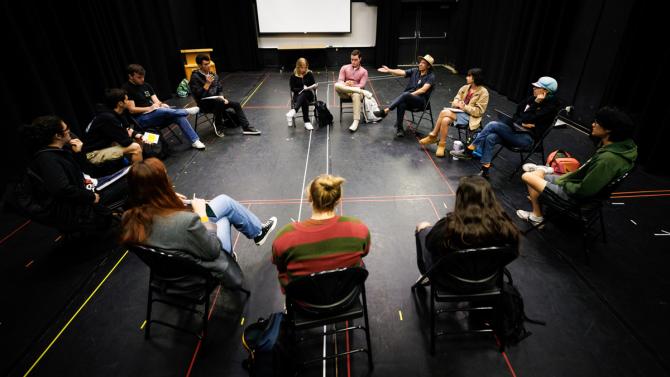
[
  {"x": 422, "y": 282},
  {"x": 266, "y": 228},
  {"x": 192, "y": 110},
  {"x": 528, "y": 216},
  {"x": 367, "y": 93},
  {"x": 380, "y": 113},
  {"x": 532, "y": 167},
  {"x": 289, "y": 117},
  {"x": 198, "y": 145},
  {"x": 484, "y": 172},
  {"x": 399, "y": 132},
  {"x": 354, "y": 126},
  {"x": 465, "y": 154},
  {"x": 249, "y": 130},
  {"x": 308, "y": 126}
]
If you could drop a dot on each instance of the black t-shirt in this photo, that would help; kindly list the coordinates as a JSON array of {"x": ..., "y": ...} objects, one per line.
[
  {"x": 416, "y": 81},
  {"x": 106, "y": 128},
  {"x": 141, "y": 94}
]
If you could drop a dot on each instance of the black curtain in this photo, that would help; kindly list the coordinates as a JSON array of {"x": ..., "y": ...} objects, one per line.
[
  {"x": 514, "y": 42},
  {"x": 388, "y": 18},
  {"x": 62, "y": 58},
  {"x": 229, "y": 27},
  {"x": 639, "y": 83}
]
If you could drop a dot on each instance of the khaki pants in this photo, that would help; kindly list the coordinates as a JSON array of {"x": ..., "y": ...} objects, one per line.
[
  {"x": 356, "y": 98},
  {"x": 107, "y": 154}
]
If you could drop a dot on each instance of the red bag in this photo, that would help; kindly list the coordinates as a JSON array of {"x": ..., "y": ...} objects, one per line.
[{"x": 562, "y": 162}]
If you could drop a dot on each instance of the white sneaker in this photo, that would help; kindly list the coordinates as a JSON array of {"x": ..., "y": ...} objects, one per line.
[
  {"x": 198, "y": 145},
  {"x": 367, "y": 93},
  {"x": 354, "y": 126},
  {"x": 532, "y": 167},
  {"x": 308, "y": 126},
  {"x": 528, "y": 216},
  {"x": 289, "y": 117},
  {"x": 192, "y": 110}
]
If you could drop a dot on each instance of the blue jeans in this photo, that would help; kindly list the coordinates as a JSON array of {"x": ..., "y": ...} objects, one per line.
[
  {"x": 163, "y": 117},
  {"x": 403, "y": 102},
  {"x": 498, "y": 132},
  {"x": 229, "y": 211}
]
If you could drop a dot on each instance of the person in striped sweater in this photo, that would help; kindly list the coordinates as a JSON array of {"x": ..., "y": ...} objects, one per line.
[{"x": 323, "y": 242}]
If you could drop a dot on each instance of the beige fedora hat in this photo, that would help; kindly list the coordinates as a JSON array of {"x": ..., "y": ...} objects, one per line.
[{"x": 427, "y": 58}]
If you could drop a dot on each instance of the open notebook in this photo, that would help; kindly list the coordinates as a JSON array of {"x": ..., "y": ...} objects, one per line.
[{"x": 508, "y": 120}]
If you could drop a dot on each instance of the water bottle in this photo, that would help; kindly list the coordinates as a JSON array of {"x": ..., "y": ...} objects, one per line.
[{"x": 458, "y": 147}]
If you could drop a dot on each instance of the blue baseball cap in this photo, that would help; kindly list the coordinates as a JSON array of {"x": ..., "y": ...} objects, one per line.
[{"x": 548, "y": 83}]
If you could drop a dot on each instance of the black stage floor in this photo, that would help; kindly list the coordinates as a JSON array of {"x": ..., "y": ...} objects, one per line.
[{"x": 78, "y": 311}]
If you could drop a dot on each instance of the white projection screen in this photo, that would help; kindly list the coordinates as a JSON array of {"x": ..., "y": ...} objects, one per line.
[{"x": 301, "y": 16}]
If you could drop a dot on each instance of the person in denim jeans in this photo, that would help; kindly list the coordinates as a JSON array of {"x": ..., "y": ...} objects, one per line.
[
  {"x": 149, "y": 111},
  {"x": 535, "y": 114}
]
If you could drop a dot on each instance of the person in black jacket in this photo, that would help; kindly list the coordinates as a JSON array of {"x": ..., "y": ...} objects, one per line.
[
  {"x": 109, "y": 136},
  {"x": 61, "y": 188},
  {"x": 302, "y": 87},
  {"x": 535, "y": 114},
  {"x": 477, "y": 221},
  {"x": 207, "y": 90}
]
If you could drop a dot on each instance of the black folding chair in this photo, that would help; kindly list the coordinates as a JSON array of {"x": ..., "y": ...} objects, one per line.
[
  {"x": 350, "y": 109},
  {"x": 177, "y": 280},
  {"x": 326, "y": 298},
  {"x": 201, "y": 117},
  {"x": 422, "y": 111},
  {"x": 584, "y": 212},
  {"x": 474, "y": 276}
]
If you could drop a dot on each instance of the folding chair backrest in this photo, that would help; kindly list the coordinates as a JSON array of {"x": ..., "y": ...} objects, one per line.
[
  {"x": 327, "y": 291},
  {"x": 472, "y": 269}
]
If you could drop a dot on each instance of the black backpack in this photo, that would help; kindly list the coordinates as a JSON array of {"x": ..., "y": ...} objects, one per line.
[
  {"x": 269, "y": 354},
  {"x": 513, "y": 315},
  {"x": 322, "y": 113}
]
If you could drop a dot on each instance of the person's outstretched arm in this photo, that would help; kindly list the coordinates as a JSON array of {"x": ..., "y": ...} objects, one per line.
[{"x": 394, "y": 72}]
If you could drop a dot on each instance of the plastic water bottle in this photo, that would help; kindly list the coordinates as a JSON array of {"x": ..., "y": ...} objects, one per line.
[{"x": 458, "y": 147}]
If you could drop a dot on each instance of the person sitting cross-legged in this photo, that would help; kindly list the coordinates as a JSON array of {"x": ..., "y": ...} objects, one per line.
[
  {"x": 616, "y": 155},
  {"x": 351, "y": 84}
]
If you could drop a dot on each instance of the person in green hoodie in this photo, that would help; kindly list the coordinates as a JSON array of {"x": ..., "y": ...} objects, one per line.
[{"x": 615, "y": 157}]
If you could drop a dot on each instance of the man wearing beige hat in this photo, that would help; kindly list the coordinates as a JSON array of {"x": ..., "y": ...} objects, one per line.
[{"x": 416, "y": 93}]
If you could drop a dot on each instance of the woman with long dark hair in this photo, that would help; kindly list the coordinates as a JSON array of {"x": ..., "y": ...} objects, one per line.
[
  {"x": 159, "y": 217},
  {"x": 478, "y": 220}
]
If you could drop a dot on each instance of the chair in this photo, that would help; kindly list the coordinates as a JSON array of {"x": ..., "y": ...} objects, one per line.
[
  {"x": 422, "y": 110},
  {"x": 585, "y": 212},
  {"x": 350, "y": 100},
  {"x": 311, "y": 103},
  {"x": 329, "y": 297},
  {"x": 209, "y": 118},
  {"x": 474, "y": 276},
  {"x": 177, "y": 280},
  {"x": 527, "y": 152},
  {"x": 464, "y": 129}
]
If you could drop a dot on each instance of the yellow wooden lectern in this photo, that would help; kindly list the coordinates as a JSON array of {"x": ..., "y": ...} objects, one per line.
[{"x": 189, "y": 57}]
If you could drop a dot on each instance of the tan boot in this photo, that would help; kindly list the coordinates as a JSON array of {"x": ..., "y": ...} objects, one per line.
[
  {"x": 441, "y": 146},
  {"x": 430, "y": 139}
]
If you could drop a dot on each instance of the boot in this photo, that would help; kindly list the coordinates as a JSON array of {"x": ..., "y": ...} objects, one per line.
[
  {"x": 441, "y": 146},
  {"x": 430, "y": 139}
]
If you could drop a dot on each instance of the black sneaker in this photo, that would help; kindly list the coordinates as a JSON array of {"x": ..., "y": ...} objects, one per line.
[
  {"x": 380, "y": 113},
  {"x": 465, "y": 154},
  {"x": 484, "y": 172},
  {"x": 249, "y": 130},
  {"x": 266, "y": 228},
  {"x": 399, "y": 132}
]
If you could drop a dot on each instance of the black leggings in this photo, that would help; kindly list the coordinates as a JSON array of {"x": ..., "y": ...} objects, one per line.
[{"x": 302, "y": 100}]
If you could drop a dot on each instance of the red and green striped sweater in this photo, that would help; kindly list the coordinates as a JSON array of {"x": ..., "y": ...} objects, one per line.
[{"x": 302, "y": 248}]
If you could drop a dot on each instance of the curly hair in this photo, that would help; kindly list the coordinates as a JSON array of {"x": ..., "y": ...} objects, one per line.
[{"x": 41, "y": 132}]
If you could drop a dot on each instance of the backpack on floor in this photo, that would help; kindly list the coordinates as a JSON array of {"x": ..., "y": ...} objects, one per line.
[
  {"x": 562, "y": 162},
  {"x": 268, "y": 353},
  {"x": 513, "y": 314},
  {"x": 370, "y": 106},
  {"x": 322, "y": 113}
]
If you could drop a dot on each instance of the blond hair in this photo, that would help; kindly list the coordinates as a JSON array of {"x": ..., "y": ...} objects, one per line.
[
  {"x": 298, "y": 63},
  {"x": 325, "y": 192}
]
